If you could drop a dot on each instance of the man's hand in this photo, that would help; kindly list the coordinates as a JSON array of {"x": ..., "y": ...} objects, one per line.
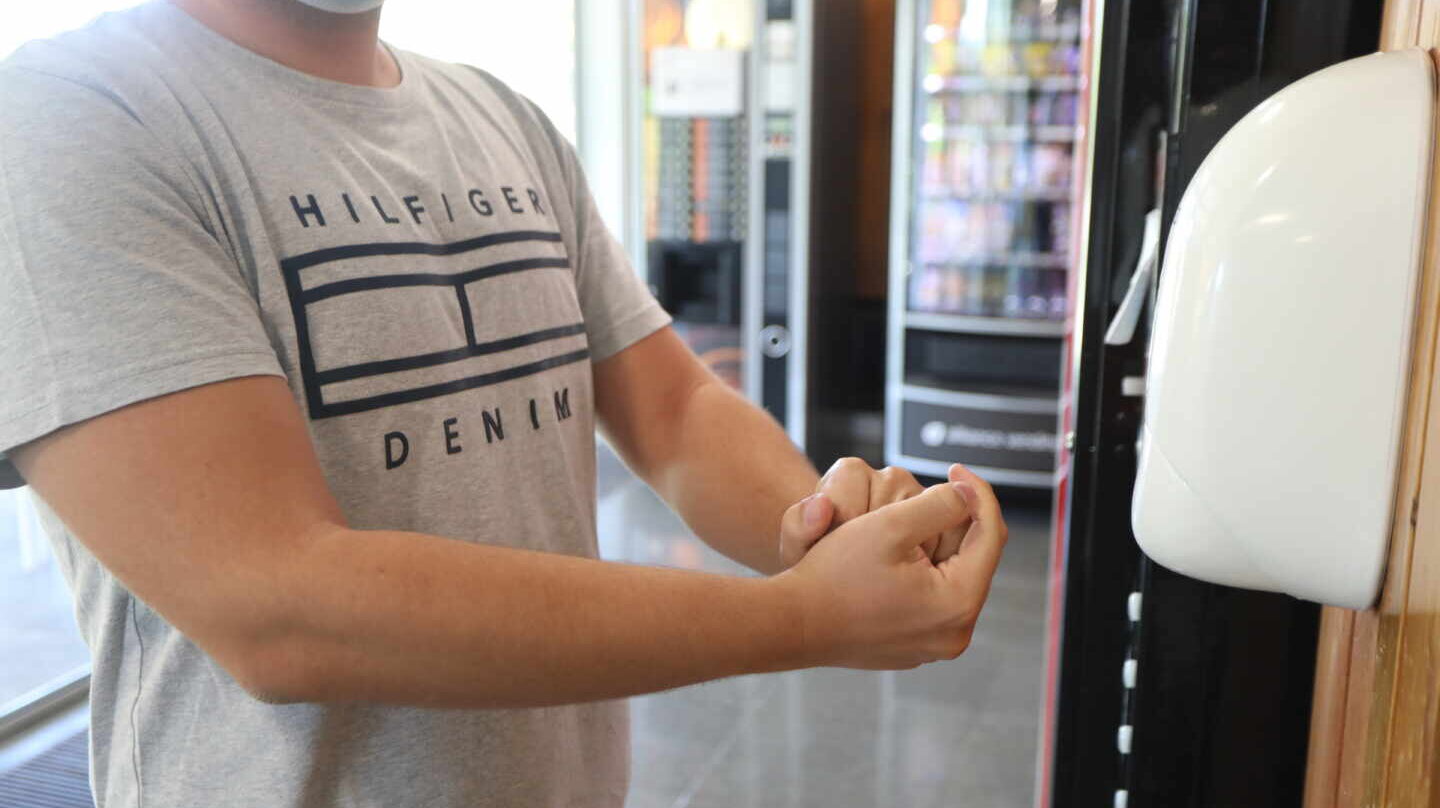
[
  {"x": 849, "y": 490},
  {"x": 870, "y": 597}
]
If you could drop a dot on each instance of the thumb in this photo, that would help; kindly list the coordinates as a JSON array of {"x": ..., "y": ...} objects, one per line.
[
  {"x": 910, "y": 523},
  {"x": 806, "y": 521}
]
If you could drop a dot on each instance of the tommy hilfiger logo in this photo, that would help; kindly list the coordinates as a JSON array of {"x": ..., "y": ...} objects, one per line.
[{"x": 372, "y": 357}]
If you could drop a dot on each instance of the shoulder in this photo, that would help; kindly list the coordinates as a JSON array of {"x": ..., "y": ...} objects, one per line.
[
  {"x": 101, "y": 68},
  {"x": 494, "y": 96}
]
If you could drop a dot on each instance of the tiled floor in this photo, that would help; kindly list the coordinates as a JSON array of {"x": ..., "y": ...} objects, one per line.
[{"x": 961, "y": 733}]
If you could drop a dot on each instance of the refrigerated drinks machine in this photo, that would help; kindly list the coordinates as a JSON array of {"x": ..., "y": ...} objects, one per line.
[{"x": 987, "y": 96}]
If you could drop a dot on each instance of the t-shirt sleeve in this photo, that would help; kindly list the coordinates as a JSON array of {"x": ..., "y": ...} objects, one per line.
[
  {"x": 114, "y": 286},
  {"x": 618, "y": 308}
]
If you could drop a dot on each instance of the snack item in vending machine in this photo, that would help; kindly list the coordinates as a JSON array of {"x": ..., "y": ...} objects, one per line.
[
  {"x": 1019, "y": 104},
  {"x": 1060, "y": 226},
  {"x": 974, "y": 303},
  {"x": 1039, "y": 59},
  {"x": 1063, "y": 113},
  {"x": 1014, "y": 303},
  {"x": 1026, "y": 238},
  {"x": 981, "y": 162},
  {"x": 1036, "y": 292},
  {"x": 961, "y": 230},
  {"x": 1067, "y": 59},
  {"x": 932, "y": 167},
  {"x": 947, "y": 13},
  {"x": 1020, "y": 173},
  {"x": 1059, "y": 294},
  {"x": 929, "y": 233},
  {"x": 952, "y": 289},
  {"x": 997, "y": 60},
  {"x": 1050, "y": 165},
  {"x": 1000, "y": 222},
  {"x": 990, "y": 108},
  {"x": 993, "y": 295},
  {"x": 957, "y": 166},
  {"x": 942, "y": 56},
  {"x": 925, "y": 288},
  {"x": 1039, "y": 112},
  {"x": 1002, "y": 166}
]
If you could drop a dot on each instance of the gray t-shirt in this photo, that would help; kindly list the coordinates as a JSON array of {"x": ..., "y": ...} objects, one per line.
[{"x": 426, "y": 268}]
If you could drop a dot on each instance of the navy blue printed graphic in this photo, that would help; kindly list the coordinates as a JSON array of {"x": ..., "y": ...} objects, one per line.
[{"x": 316, "y": 380}]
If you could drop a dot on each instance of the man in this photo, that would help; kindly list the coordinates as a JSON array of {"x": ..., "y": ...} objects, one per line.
[{"x": 305, "y": 340}]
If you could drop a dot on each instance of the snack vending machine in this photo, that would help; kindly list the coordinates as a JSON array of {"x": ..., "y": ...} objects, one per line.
[
  {"x": 695, "y": 120},
  {"x": 987, "y": 96}
]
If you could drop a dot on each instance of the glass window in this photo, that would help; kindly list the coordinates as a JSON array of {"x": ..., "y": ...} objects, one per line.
[{"x": 39, "y": 642}]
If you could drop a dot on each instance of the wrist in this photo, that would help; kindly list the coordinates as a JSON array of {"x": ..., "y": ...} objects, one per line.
[{"x": 808, "y": 640}]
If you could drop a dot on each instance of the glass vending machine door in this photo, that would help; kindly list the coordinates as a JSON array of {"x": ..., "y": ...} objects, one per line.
[
  {"x": 982, "y": 232},
  {"x": 722, "y": 180}
]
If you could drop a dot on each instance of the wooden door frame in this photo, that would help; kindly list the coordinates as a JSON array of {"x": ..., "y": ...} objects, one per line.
[{"x": 1375, "y": 726}]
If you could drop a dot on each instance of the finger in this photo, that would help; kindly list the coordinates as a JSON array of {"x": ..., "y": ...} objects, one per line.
[
  {"x": 930, "y": 547},
  {"x": 847, "y": 484},
  {"x": 987, "y": 500},
  {"x": 921, "y": 518},
  {"x": 951, "y": 539},
  {"x": 892, "y": 484},
  {"x": 979, "y": 554},
  {"x": 803, "y": 524},
  {"x": 949, "y": 542}
]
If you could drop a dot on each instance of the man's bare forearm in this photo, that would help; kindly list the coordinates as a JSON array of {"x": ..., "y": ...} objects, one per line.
[
  {"x": 727, "y": 452},
  {"x": 403, "y": 618}
]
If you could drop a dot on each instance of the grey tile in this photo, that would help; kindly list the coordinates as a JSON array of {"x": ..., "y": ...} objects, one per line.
[
  {"x": 808, "y": 749},
  {"x": 703, "y": 713},
  {"x": 643, "y": 795},
  {"x": 997, "y": 770}
]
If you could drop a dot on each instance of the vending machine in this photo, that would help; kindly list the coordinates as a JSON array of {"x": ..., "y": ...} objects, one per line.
[
  {"x": 1162, "y": 690},
  {"x": 988, "y": 97},
  {"x": 695, "y": 117}
]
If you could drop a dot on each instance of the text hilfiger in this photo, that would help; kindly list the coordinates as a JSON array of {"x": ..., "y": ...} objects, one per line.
[{"x": 322, "y": 210}]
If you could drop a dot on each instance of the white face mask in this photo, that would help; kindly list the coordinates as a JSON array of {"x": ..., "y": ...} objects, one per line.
[{"x": 344, "y": 6}]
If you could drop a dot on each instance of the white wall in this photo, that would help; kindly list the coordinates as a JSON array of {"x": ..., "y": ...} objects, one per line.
[{"x": 529, "y": 45}]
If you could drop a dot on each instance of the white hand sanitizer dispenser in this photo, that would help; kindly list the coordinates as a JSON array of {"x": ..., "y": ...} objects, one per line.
[{"x": 1281, "y": 346}]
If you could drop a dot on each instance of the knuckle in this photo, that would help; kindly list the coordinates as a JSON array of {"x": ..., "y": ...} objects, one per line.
[
  {"x": 899, "y": 479},
  {"x": 850, "y": 464}
]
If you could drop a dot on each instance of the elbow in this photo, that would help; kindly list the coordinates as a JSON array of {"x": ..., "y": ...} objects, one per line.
[
  {"x": 277, "y": 669},
  {"x": 275, "y": 673}
]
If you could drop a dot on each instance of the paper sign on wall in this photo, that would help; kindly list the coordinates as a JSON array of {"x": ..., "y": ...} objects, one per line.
[{"x": 692, "y": 83}]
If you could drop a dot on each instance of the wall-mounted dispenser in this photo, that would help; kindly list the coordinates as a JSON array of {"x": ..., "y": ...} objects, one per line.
[{"x": 1281, "y": 348}]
